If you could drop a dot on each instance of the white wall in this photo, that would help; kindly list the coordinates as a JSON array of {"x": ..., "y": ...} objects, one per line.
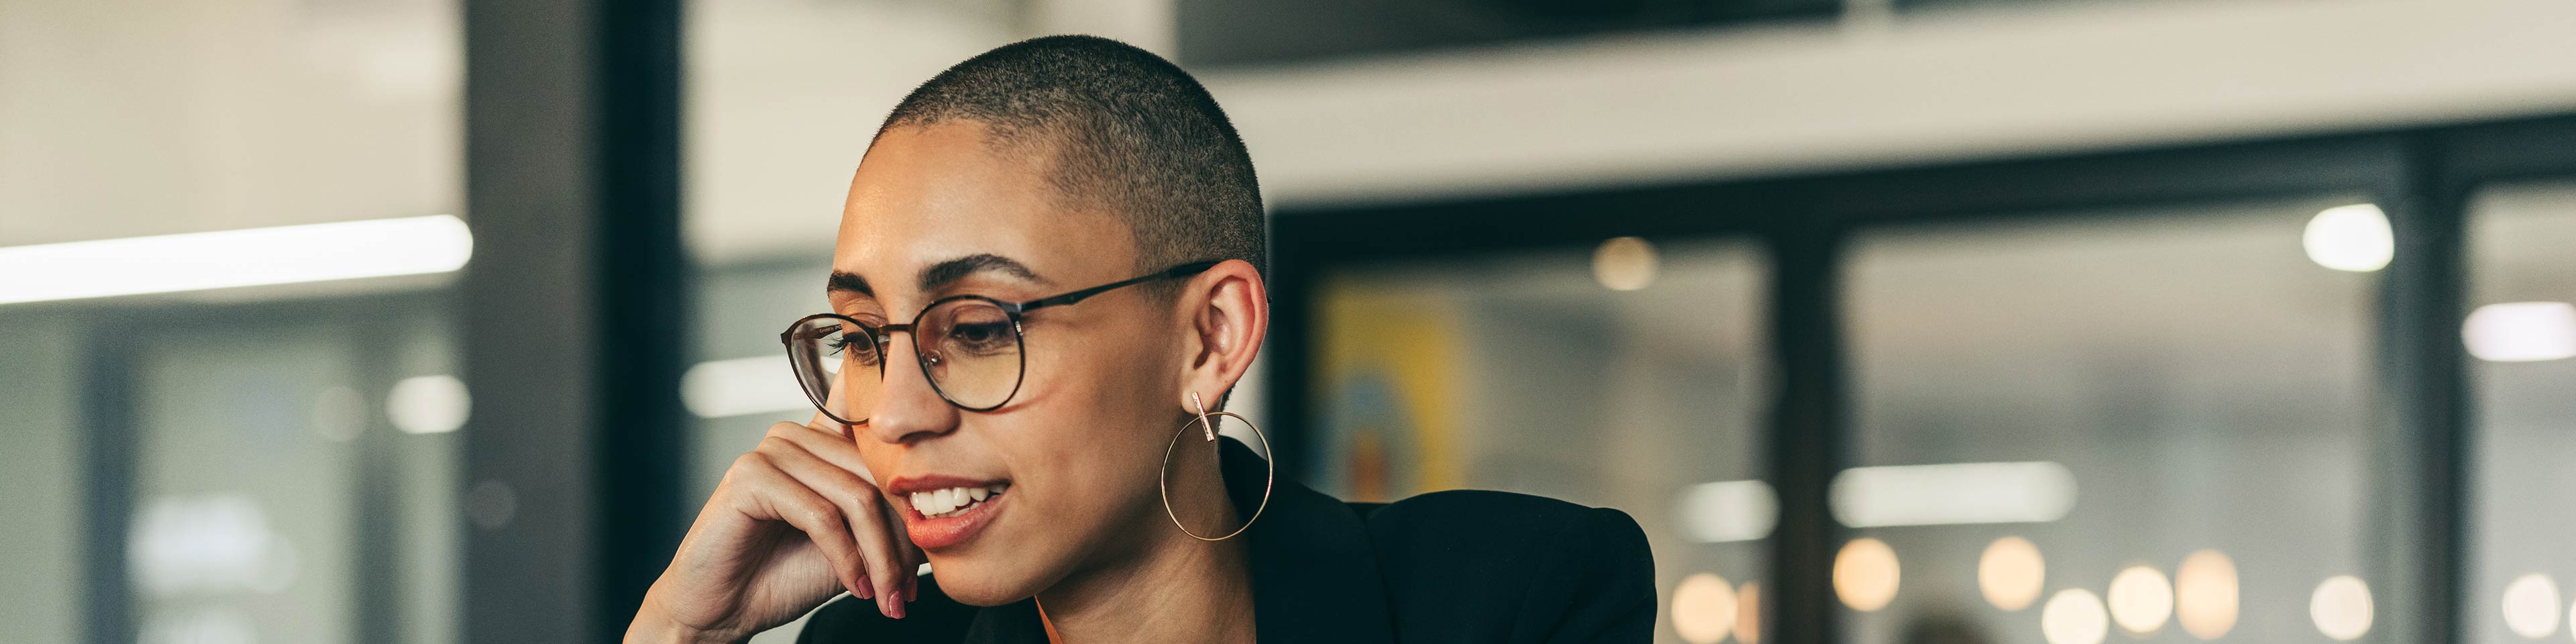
[{"x": 2017, "y": 79}]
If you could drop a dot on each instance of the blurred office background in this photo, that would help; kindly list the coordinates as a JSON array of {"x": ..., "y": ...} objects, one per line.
[{"x": 1891, "y": 321}]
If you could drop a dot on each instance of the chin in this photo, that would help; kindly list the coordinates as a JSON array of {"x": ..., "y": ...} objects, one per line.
[{"x": 981, "y": 581}]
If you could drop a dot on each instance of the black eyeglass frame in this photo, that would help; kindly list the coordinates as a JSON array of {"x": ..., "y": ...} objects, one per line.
[{"x": 880, "y": 334}]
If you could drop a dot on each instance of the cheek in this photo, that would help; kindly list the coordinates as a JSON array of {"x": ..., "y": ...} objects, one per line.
[
  {"x": 1098, "y": 424},
  {"x": 877, "y": 457}
]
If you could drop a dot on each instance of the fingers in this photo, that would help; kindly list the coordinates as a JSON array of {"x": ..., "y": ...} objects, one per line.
[
  {"x": 909, "y": 557},
  {"x": 838, "y": 458},
  {"x": 821, "y": 441},
  {"x": 862, "y": 509},
  {"x": 776, "y": 496},
  {"x": 914, "y": 559}
]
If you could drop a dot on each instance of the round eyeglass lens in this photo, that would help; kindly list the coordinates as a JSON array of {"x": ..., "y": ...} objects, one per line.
[
  {"x": 838, "y": 365},
  {"x": 971, "y": 350}
]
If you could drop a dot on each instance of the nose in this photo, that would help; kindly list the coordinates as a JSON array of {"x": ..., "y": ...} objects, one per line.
[{"x": 908, "y": 409}]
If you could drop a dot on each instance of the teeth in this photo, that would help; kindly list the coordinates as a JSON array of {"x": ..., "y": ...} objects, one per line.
[{"x": 952, "y": 501}]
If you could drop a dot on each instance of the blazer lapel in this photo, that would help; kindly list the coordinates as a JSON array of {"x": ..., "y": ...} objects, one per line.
[{"x": 1314, "y": 576}]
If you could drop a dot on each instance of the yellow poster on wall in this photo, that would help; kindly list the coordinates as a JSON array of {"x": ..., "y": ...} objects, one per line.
[{"x": 1388, "y": 390}]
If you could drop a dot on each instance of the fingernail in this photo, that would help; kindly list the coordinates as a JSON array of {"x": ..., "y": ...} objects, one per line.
[{"x": 861, "y": 592}]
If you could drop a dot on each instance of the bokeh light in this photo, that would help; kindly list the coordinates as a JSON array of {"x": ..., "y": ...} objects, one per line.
[
  {"x": 2341, "y": 607},
  {"x": 2521, "y": 332},
  {"x": 1865, "y": 574},
  {"x": 1704, "y": 608},
  {"x": 1624, "y": 263},
  {"x": 2531, "y": 606},
  {"x": 428, "y": 404},
  {"x": 2205, "y": 594},
  {"x": 2352, "y": 238},
  {"x": 2141, "y": 599},
  {"x": 2011, "y": 573},
  {"x": 2074, "y": 616}
]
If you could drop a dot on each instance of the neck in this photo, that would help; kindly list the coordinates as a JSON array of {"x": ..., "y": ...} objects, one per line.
[{"x": 1173, "y": 589}]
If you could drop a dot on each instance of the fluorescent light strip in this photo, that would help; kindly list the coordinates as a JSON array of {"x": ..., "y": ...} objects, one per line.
[
  {"x": 233, "y": 258},
  {"x": 1726, "y": 511},
  {"x": 1953, "y": 493},
  {"x": 429, "y": 404},
  {"x": 741, "y": 387},
  {"x": 2521, "y": 332}
]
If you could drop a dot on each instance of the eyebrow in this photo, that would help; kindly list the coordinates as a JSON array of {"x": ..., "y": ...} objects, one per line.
[
  {"x": 844, "y": 281},
  {"x": 942, "y": 274}
]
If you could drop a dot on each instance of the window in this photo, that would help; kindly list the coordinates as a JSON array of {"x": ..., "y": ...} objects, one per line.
[
  {"x": 2148, "y": 421},
  {"x": 1630, "y": 376},
  {"x": 2520, "y": 333}
]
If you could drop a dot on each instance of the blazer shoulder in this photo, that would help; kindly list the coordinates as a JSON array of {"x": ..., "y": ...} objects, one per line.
[
  {"x": 933, "y": 617},
  {"x": 1526, "y": 568},
  {"x": 1489, "y": 509}
]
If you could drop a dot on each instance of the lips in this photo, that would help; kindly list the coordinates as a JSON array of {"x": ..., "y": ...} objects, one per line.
[{"x": 944, "y": 511}]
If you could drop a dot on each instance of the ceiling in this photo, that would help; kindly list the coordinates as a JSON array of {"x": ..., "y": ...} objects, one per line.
[{"x": 136, "y": 117}]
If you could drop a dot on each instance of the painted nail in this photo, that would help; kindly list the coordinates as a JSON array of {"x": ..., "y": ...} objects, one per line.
[{"x": 861, "y": 591}]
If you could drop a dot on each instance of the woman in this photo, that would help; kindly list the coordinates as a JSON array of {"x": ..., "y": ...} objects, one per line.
[{"x": 1047, "y": 276}]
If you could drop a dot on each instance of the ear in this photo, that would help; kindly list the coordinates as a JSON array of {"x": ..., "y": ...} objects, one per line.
[{"x": 1227, "y": 310}]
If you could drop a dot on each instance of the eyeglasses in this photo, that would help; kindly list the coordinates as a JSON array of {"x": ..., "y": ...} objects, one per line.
[{"x": 969, "y": 346}]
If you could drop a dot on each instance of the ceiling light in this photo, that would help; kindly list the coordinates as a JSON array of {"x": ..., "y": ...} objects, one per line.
[
  {"x": 2341, "y": 608},
  {"x": 1952, "y": 493},
  {"x": 1724, "y": 511},
  {"x": 2205, "y": 594},
  {"x": 2011, "y": 573},
  {"x": 428, "y": 404},
  {"x": 1624, "y": 264},
  {"x": 2521, "y": 332},
  {"x": 2352, "y": 238},
  {"x": 232, "y": 258},
  {"x": 742, "y": 386}
]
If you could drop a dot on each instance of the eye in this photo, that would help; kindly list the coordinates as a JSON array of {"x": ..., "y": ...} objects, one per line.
[
  {"x": 864, "y": 352},
  {"x": 981, "y": 337},
  {"x": 978, "y": 330}
]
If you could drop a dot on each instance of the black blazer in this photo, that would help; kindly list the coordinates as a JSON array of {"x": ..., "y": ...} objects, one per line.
[{"x": 1459, "y": 566}]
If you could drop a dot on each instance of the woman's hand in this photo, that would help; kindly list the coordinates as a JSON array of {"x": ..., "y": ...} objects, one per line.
[{"x": 794, "y": 523}]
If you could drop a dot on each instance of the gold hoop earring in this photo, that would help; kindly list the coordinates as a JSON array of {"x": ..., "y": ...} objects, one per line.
[{"x": 1162, "y": 477}]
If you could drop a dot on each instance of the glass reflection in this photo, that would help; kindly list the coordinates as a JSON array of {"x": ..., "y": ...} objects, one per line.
[
  {"x": 2120, "y": 390},
  {"x": 1623, "y": 375}
]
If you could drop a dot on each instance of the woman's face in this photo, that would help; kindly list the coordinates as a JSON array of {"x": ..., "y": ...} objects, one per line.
[{"x": 1074, "y": 452}]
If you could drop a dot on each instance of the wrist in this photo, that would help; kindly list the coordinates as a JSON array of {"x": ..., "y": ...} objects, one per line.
[{"x": 653, "y": 625}]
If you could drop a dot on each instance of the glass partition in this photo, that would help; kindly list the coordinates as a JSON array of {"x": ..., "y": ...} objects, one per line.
[
  {"x": 2520, "y": 336},
  {"x": 226, "y": 469},
  {"x": 43, "y": 469},
  {"x": 294, "y": 480},
  {"x": 1630, "y": 375},
  {"x": 2113, "y": 426}
]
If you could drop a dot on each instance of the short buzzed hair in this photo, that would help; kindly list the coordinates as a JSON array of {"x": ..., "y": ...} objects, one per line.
[{"x": 1130, "y": 131}]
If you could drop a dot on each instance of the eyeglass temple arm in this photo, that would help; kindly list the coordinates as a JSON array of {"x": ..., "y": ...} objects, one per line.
[{"x": 1184, "y": 270}]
